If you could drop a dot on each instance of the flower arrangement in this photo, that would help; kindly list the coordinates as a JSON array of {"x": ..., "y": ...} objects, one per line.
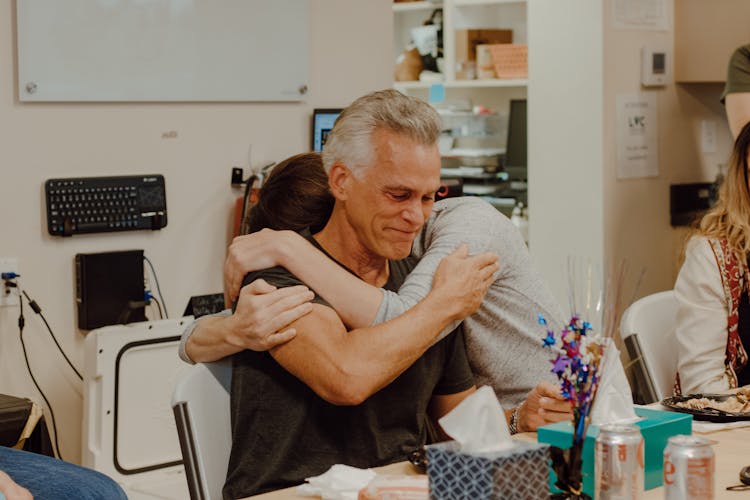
[
  {"x": 577, "y": 350},
  {"x": 577, "y": 356}
]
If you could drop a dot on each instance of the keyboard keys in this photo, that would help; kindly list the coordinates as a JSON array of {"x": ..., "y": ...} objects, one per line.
[{"x": 103, "y": 204}]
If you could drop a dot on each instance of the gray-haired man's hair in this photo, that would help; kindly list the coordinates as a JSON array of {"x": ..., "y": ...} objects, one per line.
[{"x": 350, "y": 141}]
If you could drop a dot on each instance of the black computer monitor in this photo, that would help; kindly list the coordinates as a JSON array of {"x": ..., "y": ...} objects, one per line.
[
  {"x": 322, "y": 123},
  {"x": 515, "y": 147}
]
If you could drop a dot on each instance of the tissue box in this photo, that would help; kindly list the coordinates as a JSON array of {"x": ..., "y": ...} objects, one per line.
[
  {"x": 518, "y": 473},
  {"x": 656, "y": 427}
]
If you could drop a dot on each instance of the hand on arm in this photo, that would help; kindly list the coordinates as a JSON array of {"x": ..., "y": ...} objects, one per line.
[
  {"x": 470, "y": 221},
  {"x": 458, "y": 277},
  {"x": 463, "y": 279},
  {"x": 356, "y": 301},
  {"x": 250, "y": 252},
  {"x": 259, "y": 323},
  {"x": 348, "y": 367}
]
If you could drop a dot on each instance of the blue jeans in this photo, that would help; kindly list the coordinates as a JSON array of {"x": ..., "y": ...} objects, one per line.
[{"x": 50, "y": 478}]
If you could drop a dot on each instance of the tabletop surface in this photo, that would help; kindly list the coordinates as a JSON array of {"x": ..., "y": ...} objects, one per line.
[{"x": 732, "y": 451}]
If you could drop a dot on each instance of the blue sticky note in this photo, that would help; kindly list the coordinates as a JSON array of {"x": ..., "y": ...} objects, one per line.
[{"x": 437, "y": 92}]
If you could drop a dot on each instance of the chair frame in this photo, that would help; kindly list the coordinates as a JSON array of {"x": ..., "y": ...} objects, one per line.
[
  {"x": 205, "y": 384},
  {"x": 637, "y": 342}
]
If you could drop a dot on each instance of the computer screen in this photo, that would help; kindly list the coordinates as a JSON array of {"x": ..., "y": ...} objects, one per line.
[
  {"x": 322, "y": 123},
  {"x": 515, "y": 148}
]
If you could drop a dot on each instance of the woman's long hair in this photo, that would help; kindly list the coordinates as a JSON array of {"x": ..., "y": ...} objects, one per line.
[{"x": 730, "y": 219}]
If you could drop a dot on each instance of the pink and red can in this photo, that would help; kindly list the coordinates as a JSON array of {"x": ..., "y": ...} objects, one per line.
[
  {"x": 618, "y": 463},
  {"x": 688, "y": 468}
]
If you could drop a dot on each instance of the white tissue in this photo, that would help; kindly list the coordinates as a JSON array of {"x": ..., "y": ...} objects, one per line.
[
  {"x": 478, "y": 423},
  {"x": 340, "y": 482},
  {"x": 614, "y": 401}
]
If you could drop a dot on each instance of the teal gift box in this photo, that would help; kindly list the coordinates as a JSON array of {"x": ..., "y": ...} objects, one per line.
[{"x": 656, "y": 427}]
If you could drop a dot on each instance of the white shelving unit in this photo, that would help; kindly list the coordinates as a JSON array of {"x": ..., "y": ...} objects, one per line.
[
  {"x": 492, "y": 93},
  {"x": 457, "y": 15}
]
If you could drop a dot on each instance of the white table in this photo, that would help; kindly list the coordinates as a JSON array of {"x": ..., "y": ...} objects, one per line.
[{"x": 732, "y": 451}]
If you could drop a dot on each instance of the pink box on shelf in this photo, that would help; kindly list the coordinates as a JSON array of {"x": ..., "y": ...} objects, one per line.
[{"x": 511, "y": 60}]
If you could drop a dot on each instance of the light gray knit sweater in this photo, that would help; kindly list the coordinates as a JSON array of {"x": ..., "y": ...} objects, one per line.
[{"x": 503, "y": 338}]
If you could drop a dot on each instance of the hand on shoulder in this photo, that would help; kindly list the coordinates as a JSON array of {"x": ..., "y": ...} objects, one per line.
[
  {"x": 263, "y": 315},
  {"x": 461, "y": 281},
  {"x": 253, "y": 252}
]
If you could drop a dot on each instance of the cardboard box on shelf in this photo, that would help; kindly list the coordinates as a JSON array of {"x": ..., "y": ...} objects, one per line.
[
  {"x": 510, "y": 60},
  {"x": 485, "y": 65},
  {"x": 468, "y": 39}
]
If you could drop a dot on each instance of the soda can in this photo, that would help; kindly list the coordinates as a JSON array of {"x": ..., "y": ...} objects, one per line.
[
  {"x": 688, "y": 468},
  {"x": 618, "y": 463}
]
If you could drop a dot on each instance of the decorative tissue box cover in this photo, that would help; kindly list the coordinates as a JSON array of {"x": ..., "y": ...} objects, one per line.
[
  {"x": 519, "y": 473},
  {"x": 656, "y": 427}
]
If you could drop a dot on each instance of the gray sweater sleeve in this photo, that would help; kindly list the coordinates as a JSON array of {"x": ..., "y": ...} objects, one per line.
[
  {"x": 189, "y": 331},
  {"x": 503, "y": 337},
  {"x": 453, "y": 221}
]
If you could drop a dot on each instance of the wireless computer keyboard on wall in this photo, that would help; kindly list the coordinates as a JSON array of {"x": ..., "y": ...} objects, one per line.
[{"x": 105, "y": 204}]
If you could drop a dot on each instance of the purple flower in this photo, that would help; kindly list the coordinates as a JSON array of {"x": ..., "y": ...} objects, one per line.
[{"x": 559, "y": 365}]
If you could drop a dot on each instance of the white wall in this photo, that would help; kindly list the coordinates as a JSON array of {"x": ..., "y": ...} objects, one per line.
[
  {"x": 350, "y": 53},
  {"x": 637, "y": 225},
  {"x": 565, "y": 135},
  {"x": 578, "y": 64}
]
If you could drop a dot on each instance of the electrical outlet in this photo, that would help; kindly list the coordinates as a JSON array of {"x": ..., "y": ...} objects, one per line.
[
  {"x": 236, "y": 176},
  {"x": 708, "y": 136},
  {"x": 8, "y": 295}
]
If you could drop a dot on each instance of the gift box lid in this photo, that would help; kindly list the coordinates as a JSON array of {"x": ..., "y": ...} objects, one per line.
[{"x": 656, "y": 426}]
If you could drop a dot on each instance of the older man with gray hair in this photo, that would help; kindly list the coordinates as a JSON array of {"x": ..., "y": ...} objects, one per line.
[{"x": 360, "y": 397}]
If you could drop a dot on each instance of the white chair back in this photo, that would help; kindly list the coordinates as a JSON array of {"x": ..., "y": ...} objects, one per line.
[
  {"x": 201, "y": 409},
  {"x": 651, "y": 320}
]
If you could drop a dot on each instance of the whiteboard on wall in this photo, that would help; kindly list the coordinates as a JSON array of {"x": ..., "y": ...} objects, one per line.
[{"x": 163, "y": 50}]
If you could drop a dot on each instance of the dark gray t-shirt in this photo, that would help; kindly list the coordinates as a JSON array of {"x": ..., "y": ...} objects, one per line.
[
  {"x": 282, "y": 432},
  {"x": 738, "y": 72}
]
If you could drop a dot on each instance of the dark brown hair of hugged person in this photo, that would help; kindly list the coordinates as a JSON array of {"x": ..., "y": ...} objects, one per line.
[{"x": 294, "y": 196}]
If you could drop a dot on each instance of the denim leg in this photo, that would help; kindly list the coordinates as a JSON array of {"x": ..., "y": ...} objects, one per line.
[{"x": 52, "y": 479}]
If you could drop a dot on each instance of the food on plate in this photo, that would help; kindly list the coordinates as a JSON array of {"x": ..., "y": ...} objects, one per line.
[{"x": 738, "y": 403}]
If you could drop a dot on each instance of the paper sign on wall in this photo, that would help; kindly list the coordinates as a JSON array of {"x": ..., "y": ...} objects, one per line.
[
  {"x": 637, "y": 141},
  {"x": 641, "y": 15}
]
